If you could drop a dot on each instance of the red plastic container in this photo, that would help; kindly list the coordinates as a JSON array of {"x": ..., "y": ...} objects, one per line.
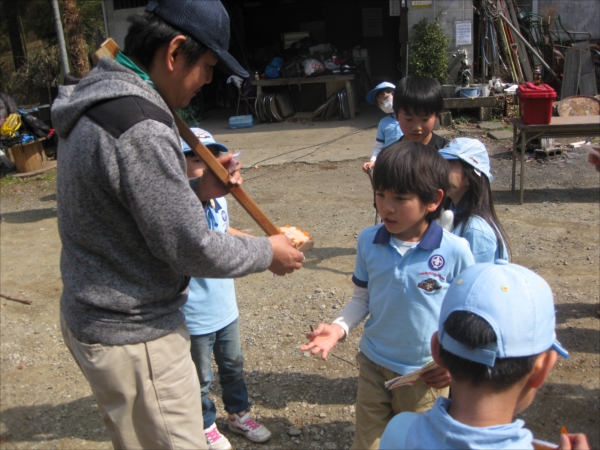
[{"x": 535, "y": 103}]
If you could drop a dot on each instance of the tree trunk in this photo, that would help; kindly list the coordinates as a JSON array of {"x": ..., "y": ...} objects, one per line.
[
  {"x": 13, "y": 26},
  {"x": 76, "y": 46}
]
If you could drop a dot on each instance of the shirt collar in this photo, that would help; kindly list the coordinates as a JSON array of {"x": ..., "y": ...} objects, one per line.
[
  {"x": 430, "y": 240},
  {"x": 126, "y": 62}
]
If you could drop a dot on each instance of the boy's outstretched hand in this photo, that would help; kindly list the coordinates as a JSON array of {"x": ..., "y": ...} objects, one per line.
[
  {"x": 437, "y": 378},
  {"x": 323, "y": 339},
  {"x": 573, "y": 442}
]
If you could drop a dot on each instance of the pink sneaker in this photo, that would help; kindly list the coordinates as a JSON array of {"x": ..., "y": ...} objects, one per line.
[
  {"x": 248, "y": 427},
  {"x": 215, "y": 440}
]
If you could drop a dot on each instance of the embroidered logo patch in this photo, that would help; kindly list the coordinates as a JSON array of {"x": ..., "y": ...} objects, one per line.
[
  {"x": 429, "y": 285},
  {"x": 437, "y": 262},
  {"x": 224, "y": 215}
]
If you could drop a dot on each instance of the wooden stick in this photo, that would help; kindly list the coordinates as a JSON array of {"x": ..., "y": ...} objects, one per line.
[
  {"x": 15, "y": 299},
  {"x": 221, "y": 173},
  {"x": 110, "y": 49}
]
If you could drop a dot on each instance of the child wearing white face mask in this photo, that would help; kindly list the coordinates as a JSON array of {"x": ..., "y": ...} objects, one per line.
[{"x": 388, "y": 130}]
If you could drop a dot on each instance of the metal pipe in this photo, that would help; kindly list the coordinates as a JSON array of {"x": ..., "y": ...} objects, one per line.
[
  {"x": 64, "y": 59},
  {"x": 105, "y": 20},
  {"x": 528, "y": 45}
]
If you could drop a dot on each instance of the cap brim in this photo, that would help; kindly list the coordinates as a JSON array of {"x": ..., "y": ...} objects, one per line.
[
  {"x": 560, "y": 349},
  {"x": 229, "y": 65},
  {"x": 220, "y": 147},
  {"x": 371, "y": 96},
  {"x": 449, "y": 156}
]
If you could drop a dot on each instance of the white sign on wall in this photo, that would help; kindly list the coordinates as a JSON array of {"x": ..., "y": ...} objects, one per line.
[{"x": 463, "y": 32}]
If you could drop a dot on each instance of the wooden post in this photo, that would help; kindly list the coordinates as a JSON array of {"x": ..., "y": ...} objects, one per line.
[{"x": 28, "y": 157}]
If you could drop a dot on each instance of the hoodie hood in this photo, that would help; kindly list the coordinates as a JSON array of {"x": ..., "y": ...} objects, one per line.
[
  {"x": 107, "y": 80},
  {"x": 436, "y": 429}
]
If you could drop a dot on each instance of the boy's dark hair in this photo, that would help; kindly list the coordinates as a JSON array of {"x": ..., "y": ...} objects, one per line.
[
  {"x": 478, "y": 201},
  {"x": 148, "y": 32},
  {"x": 473, "y": 331},
  {"x": 412, "y": 168},
  {"x": 418, "y": 95}
]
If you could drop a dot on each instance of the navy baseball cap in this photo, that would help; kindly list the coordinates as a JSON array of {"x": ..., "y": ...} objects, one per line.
[
  {"x": 515, "y": 301},
  {"x": 206, "y": 138},
  {"x": 471, "y": 151},
  {"x": 373, "y": 92},
  {"x": 206, "y": 21}
]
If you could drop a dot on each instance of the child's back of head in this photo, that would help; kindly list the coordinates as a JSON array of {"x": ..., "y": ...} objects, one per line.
[
  {"x": 495, "y": 320},
  {"x": 418, "y": 95},
  {"x": 412, "y": 168},
  {"x": 496, "y": 338}
]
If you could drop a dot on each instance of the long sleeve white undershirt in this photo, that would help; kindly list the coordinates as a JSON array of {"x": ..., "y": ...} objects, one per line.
[
  {"x": 358, "y": 307},
  {"x": 376, "y": 150},
  {"x": 355, "y": 311}
]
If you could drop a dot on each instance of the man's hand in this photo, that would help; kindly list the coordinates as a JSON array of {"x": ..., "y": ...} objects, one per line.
[
  {"x": 286, "y": 258},
  {"x": 323, "y": 339},
  {"x": 437, "y": 378},
  {"x": 210, "y": 186}
]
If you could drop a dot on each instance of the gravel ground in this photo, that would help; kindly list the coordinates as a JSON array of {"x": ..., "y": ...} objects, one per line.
[{"x": 306, "y": 402}]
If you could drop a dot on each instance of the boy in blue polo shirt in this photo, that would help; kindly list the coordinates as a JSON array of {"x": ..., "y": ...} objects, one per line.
[
  {"x": 211, "y": 315},
  {"x": 388, "y": 130},
  {"x": 402, "y": 271},
  {"x": 496, "y": 338}
]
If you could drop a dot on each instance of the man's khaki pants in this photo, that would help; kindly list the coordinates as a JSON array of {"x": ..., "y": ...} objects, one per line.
[
  {"x": 148, "y": 393},
  {"x": 376, "y": 405}
]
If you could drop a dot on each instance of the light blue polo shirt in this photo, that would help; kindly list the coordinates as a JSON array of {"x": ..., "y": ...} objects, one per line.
[
  {"x": 484, "y": 243},
  {"x": 388, "y": 130},
  {"x": 211, "y": 304},
  {"x": 405, "y": 293},
  {"x": 436, "y": 429}
]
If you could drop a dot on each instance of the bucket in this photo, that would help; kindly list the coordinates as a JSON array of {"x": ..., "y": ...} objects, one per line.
[
  {"x": 470, "y": 92},
  {"x": 484, "y": 89},
  {"x": 449, "y": 90}
]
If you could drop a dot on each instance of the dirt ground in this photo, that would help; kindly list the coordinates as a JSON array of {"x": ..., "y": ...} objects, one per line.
[{"x": 307, "y": 403}]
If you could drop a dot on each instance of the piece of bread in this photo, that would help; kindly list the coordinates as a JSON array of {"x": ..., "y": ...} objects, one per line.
[{"x": 301, "y": 239}]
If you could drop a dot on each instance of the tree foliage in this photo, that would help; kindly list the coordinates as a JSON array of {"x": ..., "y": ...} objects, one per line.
[
  {"x": 428, "y": 47},
  {"x": 42, "y": 66}
]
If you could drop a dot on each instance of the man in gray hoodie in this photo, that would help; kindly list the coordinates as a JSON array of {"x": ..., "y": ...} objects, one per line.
[{"x": 132, "y": 227}]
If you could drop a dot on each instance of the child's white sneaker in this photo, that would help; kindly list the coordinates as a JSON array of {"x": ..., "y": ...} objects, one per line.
[
  {"x": 215, "y": 440},
  {"x": 245, "y": 425}
]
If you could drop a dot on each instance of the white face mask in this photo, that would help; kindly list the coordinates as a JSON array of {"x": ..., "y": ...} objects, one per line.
[{"x": 386, "y": 106}]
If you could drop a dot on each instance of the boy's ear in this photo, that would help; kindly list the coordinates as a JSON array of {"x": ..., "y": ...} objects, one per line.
[
  {"x": 541, "y": 368},
  {"x": 431, "y": 207},
  {"x": 435, "y": 350}
]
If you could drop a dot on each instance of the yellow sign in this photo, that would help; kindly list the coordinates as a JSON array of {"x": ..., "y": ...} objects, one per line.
[{"x": 421, "y": 4}]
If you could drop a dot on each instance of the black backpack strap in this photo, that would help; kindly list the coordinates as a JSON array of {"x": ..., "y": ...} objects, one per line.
[{"x": 117, "y": 115}]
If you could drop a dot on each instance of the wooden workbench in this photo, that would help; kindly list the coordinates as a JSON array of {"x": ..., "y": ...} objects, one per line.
[
  {"x": 333, "y": 83},
  {"x": 559, "y": 127}
]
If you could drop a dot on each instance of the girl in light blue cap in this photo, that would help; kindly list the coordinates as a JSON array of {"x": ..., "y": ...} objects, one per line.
[{"x": 470, "y": 200}]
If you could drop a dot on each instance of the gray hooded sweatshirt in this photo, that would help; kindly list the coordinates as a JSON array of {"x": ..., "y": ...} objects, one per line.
[{"x": 132, "y": 228}]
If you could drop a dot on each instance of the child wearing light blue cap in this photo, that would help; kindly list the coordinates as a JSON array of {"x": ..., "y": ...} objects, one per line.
[
  {"x": 496, "y": 338},
  {"x": 388, "y": 130},
  {"x": 211, "y": 315},
  {"x": 470, "y": 199}
]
